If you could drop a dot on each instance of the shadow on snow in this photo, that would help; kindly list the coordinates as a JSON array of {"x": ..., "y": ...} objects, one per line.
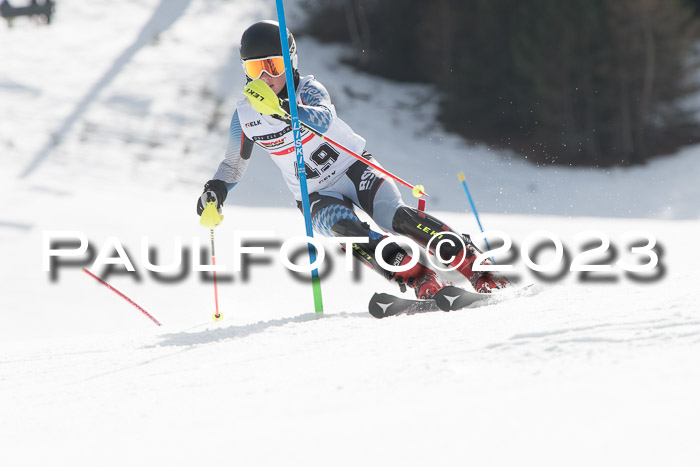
[{"x": 237, "y": 332}]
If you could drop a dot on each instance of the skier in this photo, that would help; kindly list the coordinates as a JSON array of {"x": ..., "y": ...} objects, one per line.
[{"x": 337, "y": 182}]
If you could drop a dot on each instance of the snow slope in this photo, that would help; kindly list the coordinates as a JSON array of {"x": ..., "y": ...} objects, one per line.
[{"x": 113, "y": 117}]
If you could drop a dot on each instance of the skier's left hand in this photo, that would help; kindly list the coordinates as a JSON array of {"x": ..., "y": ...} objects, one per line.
[{"x": 284, "y": 103}]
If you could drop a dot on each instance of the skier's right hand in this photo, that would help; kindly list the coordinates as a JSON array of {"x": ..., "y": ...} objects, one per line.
[{"x": 214, "y": 190}]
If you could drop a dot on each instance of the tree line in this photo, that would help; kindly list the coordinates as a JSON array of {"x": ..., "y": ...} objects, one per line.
[{"x": 575, "y": 82}]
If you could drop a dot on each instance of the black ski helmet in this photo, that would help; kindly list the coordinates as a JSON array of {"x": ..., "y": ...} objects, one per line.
[{"x": 262, "y": 39}]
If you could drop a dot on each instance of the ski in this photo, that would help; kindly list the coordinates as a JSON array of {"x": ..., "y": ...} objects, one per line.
[
  {"x": 382, "y": 305},
  {"x": 449, "y": 298}
]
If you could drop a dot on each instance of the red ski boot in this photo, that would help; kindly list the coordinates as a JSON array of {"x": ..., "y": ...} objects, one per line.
[
  {"x": 482, "y": 281},
  {"x": 422, "y": 279}
]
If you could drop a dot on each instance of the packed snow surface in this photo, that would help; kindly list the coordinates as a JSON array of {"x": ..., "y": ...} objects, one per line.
[{"x": 113, "y": 117}]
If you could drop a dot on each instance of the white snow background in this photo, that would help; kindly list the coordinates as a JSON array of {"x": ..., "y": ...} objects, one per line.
[{"x": 111, "y": 120}]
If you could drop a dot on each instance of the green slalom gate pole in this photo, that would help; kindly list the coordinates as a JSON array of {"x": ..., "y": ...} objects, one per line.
[{"x": 301, "y": 166}]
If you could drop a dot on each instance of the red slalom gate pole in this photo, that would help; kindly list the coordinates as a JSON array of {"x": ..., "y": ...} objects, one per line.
[
  {"x": 121, "y": 295},
  {"x": 418, "y": 190}
]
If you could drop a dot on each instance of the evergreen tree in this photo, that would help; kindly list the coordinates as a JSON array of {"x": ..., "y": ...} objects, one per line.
[{"x": 580, "y": 82}]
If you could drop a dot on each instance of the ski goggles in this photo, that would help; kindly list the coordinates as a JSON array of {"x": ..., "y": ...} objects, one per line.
[{"x": 273, "y": 66}]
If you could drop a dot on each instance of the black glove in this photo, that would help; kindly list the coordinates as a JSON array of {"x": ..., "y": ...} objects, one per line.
[
  {"x": 214, "y": 190},
  {"x": 284, "y": 103}
]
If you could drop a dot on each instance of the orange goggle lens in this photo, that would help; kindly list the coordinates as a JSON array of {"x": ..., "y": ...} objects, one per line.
[{"x": 273, "y": 66}]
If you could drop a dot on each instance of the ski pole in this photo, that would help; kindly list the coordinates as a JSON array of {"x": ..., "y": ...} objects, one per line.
[
  {"x": 211, "y": 218},
  {"x": 471, "y": 203},
  {"x": 121, "y": 295},
  {"x": 217, "y": 316}
]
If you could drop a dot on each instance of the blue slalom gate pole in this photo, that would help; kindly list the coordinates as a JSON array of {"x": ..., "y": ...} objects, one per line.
[
  {"x": 301, "y": 166},
  {"x": 471, "y": 203}
]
